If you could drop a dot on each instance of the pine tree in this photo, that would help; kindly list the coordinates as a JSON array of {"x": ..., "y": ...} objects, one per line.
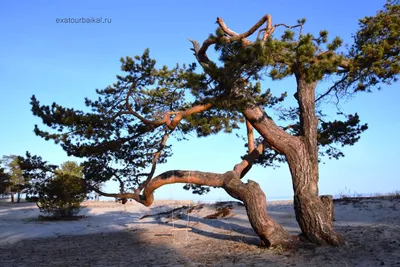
[
  {"x": 124, "y": 135},
  {"x": 16, "y": 182}
]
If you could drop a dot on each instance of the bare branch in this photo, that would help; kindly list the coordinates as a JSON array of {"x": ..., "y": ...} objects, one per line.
[
  {"x": 290, "y": 126},
  {"x": 331, "y": 89},
  {"x": 236, "y": 37},
  {"x": 169, "y": 177},
  {"x": 166, "y": 120},
  {"x": 115, "y": 195},
  {"x": 200, "y": 52},
  {"x": 245, "y": 165},
  {"x": 154, "y": 164},
  {"x": 250, "y": 136}
]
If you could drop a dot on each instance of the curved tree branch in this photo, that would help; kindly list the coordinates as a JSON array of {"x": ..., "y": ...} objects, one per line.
[
  {"x": 166, "y": 120},
  {"x": 182, "y": 114},
  {"x": 178, "y": 176},
  {"x": 142, "y": 119},
  {"x": 236, "y": 37}
]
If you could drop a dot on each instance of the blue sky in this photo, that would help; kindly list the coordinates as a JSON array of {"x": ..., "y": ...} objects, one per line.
[{"x": 64, "y": 63}]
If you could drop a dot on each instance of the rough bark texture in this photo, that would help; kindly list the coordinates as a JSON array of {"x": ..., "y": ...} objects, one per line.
[
  {"x": 301, "y": 152},
  {"x": 270, "y": 232},
  {"x": 314, "y": 218},
  {"x": 327, "y": 200},
  {"x": 313, "y": 215}
]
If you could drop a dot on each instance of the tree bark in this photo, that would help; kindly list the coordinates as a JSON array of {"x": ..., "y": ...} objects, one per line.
[
  {"x": 302, "y": 155},
  {"x": 301, "y": 151},
  {"x": 314, "y": 217},
  {"x": 12, "y": 197},
  {"x": 270, "y": 232},
  {"x": 327, "y": 200}
]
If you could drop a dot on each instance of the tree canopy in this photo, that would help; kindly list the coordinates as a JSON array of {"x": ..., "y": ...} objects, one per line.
[{"x": 124, "y": 132}]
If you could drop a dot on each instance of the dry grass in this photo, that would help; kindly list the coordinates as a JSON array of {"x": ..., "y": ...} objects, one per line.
[{"x": 355, "y": 197}]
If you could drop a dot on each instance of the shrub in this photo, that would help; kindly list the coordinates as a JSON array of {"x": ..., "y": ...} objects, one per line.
[{"x": 61, "y": 196}]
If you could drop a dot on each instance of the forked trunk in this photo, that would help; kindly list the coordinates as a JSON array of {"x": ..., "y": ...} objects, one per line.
[
  {"x": 270, "y": 232},
  {"x": 314, "y": 215}
]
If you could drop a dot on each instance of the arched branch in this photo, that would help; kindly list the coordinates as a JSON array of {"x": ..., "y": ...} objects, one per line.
[{"x": 178, "y": 176}]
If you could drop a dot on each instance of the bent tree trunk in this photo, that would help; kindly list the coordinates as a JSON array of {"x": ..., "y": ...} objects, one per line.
[
  {"x": 301, "y": 153},
  {"x": 312, "y": 214},
  {"x": 250, "y": 193}
]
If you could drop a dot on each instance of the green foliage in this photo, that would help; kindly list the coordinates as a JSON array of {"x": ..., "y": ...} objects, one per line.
[
  {"x": 70, "y": 168},
  {"x": 12, "y": 180},
  {"x": 376, "y": 50},
  {"x": 56, "y": 191},
  {"x": 118, "y": 134},
  {"x": 61, "y": 196},
  {"x": 197, "y": 189},
  {"x": 36, "y": 171},
  {"x": 4, "y": 182}
]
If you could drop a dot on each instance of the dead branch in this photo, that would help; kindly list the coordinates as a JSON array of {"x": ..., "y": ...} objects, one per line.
[{"x": 236, "y": 37}]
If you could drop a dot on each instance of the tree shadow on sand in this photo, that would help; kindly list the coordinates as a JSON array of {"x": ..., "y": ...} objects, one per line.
[{"x": 123, "y": 248}]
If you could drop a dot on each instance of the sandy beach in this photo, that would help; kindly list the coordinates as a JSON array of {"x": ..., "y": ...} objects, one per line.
[{"x": 112, "y": 234}]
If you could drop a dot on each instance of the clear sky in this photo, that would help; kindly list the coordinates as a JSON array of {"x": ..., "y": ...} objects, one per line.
[{"x": 64, "y": 63}]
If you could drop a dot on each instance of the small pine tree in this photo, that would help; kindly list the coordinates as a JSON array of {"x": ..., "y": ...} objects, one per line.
[
  {"x": 61, "y": 196},
  {"x": 4, "y": 182},
  {"x": 56, "y": 191},
  {"x": 12, "y": 174}
]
